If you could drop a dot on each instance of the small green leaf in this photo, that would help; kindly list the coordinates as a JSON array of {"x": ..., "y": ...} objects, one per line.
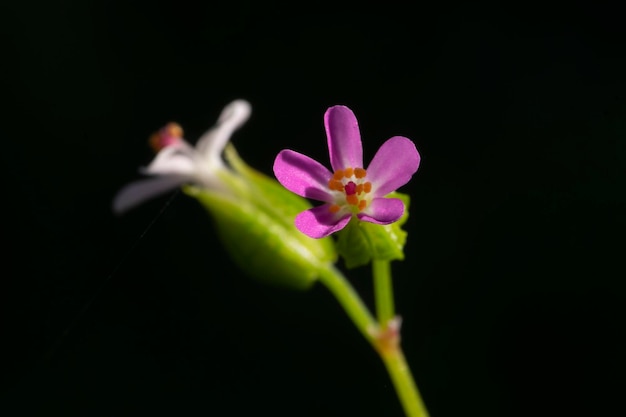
[{"x": 361, "y": 242}]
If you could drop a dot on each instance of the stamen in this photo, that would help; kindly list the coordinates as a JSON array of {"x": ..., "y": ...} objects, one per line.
[
  {"x": 360, "y": 172},
  {"x": 335, "y": 185},
  {"x": 155, "y": 142},
  {"x": 351, "y": 189},
  {"x": 352, "y": 199},
  {"x": 166, "y": 136},
  {"x": 173, "y": 129},
  {"x": 338, "y": 174}
]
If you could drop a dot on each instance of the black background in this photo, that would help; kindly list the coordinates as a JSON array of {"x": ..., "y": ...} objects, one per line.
[{"x": 511, "y": 293}]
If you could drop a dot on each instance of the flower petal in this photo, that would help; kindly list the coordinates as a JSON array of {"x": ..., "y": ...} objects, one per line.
[
  {"x": 176, "y": 159},
  {"x": 383, "y": 211},
  {"x": 137, "y": 192},
  {"x": 302, "y": 175},
  {"x": 393, "y": 165},
  {"x": 319, "y": 222},
  {"x": 212, "y": 143},
  {"x": 344, "y": 138}
]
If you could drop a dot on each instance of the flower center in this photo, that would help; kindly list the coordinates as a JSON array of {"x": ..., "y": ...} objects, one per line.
[
  {"x": 351, "y": 189},
  {"x": 168, "y": 135}
]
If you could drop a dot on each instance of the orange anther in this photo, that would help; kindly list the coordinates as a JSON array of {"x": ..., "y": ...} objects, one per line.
[
  {"x": 360, "y": 172},
  {"x": 352, "y": 199},
  {"x": 334, "y": 208},
  {"x": 362, "y": 204},
  {"x": 367, "y": 187},
  {"x": 335, "y": 185},
  {"x": 166, "y": 136},
  {"x": 155, "y": 142},
  {"x": 348, "y": 172},
  {"x": 338, "y": 174},
  {"x": 359, "y": 188},
  {"x": 174, "y": 129}
]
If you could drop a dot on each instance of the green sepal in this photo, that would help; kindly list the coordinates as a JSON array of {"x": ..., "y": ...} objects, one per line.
[
  {"x": 255, "y": 221},
  {"x": 361, "y": 242}
]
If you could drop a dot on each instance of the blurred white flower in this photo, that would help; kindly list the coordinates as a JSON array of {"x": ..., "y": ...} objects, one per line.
[{"x": 178, "y": 163}]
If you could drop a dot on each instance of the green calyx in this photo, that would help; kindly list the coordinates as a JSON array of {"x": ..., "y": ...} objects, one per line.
[
  {"x": 254, "y": 220},
  {"x": 361, "y": 242}
]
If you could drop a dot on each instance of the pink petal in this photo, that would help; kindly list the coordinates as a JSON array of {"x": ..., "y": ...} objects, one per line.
[
  {"x": 383, "y": 211},
  {"x": 319, "y": 222},
  {"x": 344, "y": 138},
  {"x": 393, "y": 165},
  {"x": 302, "y": 175}
]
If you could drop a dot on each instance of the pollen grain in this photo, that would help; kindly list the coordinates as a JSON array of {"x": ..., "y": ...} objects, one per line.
[
  {"x": 360, "y": 172},
  {"x": 335, "y": 185},
  {"x": 352, "y": 199},
  {"x": 338, "y": 174}
]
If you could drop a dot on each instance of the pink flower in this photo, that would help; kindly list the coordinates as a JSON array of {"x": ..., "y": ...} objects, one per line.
[{"x": 350, "y": 190}]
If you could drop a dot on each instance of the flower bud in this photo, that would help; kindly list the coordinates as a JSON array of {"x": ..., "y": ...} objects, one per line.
[{"x": 255, "y": 223}]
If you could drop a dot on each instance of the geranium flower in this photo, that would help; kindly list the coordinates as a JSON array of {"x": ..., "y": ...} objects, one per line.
[
  {"x": 350, "y": 190},
  {"x": 178, "y": 163}
]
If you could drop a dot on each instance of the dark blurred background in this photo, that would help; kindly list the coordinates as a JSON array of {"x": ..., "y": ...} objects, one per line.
[{"x": 512, "y": 291}]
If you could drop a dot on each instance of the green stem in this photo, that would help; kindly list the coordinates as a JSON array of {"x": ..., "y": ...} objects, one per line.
[
  {"x": 350, "y": 301},
  {"x": 384, "y": 339},
  {"x": 402, "y": 379},
  {"x": 383, "y": 292}
]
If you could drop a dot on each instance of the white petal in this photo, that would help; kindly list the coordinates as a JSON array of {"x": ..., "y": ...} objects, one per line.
[
  {"x": 178, "y": 159},
  {"x": 212, "y": 143},
  {"x": 137, "y": 192}
]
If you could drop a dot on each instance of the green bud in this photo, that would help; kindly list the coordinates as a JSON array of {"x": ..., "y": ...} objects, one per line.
[{"x": 255, "y": 223}]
